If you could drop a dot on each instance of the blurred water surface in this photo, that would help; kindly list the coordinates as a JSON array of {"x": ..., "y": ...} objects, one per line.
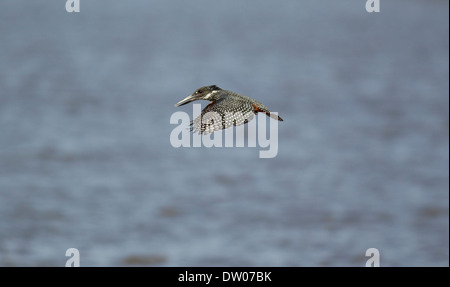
[{"x": 86, "y": 161}]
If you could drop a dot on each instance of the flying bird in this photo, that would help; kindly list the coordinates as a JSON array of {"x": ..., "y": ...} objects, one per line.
[{"x": 226, "y": 109}]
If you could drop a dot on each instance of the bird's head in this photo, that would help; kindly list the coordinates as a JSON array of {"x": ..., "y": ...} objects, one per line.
[{"x": 204, "y": 93}]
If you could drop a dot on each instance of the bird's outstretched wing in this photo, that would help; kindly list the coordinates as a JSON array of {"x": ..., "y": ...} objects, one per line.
[{"x": 222, "y": 114}]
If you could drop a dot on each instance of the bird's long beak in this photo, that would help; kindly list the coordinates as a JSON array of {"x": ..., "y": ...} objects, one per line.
[{"x": 185, "y": 101}]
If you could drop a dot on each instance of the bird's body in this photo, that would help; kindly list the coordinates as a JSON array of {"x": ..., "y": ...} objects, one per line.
[{"x": 226, "y": 109}]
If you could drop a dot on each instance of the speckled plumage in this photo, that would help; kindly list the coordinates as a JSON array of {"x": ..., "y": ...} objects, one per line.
[{"x": 226, "y": 109}]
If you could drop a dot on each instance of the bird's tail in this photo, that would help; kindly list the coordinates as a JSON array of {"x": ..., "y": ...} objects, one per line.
[{"x": 274, "y": 116}]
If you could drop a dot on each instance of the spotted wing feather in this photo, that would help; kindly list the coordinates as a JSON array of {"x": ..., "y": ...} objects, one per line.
[{"x": 223, "y": 114}]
